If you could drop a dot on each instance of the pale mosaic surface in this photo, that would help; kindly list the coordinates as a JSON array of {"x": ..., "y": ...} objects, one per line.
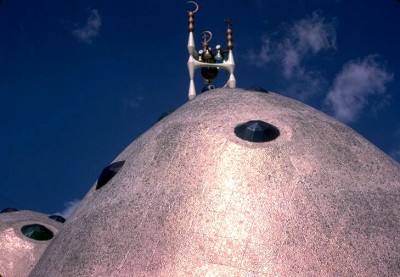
[{"x": 195, "y": 200}]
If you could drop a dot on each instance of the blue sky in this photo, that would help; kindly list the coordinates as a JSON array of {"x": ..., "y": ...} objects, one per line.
[{"x": 80, "y": 80}]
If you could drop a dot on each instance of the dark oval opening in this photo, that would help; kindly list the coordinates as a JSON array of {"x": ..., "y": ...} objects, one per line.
[
  {"x": 57, "y": 218},
  {"x": 8, "y": 210},
  {"x": 37, "y": 232}
]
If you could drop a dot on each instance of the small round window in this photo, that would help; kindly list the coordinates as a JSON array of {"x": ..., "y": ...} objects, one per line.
[
  {"x": 37, "y": 232},
  {"x": 57, "y": 218},
  {"x": 108, "y": 173},
  {"x": 256, "y": 131}
]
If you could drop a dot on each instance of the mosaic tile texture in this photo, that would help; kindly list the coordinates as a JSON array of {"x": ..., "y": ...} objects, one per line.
[{"x": 193, "y": 199}]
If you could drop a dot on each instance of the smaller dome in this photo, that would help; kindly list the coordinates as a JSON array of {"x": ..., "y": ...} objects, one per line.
[{"x": 24, "y": 235}]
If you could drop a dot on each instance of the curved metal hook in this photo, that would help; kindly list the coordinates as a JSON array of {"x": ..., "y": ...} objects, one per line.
[
  {"x": 195, "y": 4},
  {"x": 209, "y": 36}
]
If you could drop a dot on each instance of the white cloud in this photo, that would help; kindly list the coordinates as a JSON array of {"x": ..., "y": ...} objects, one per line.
[
  {"x": 307, "y": 37},
  {"x": 132, "y": 103},
  {"x": 91, "y": 29},
  {"x": 263, "y": 57},
  {"x": 314, "y": 34},
  {"x": 70, "y": 206},
  {"x": 395, "y": 154},
  {"x": 290, "y": 61},
  {"x": 305, "y": 84},
  {"x": 395, "y": 151},
  {"x": 352, "y": 87},
  {"x": 301, "y": 41},
  {"x": 396, "y": 133}
]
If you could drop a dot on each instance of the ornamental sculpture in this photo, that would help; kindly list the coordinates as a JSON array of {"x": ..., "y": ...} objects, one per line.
[{"x": 210, "y": 61}]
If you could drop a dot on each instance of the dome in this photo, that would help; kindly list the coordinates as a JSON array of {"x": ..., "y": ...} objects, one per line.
[
  {"x": 24, "y": 235},
  {"x": 194, "y": 198}
]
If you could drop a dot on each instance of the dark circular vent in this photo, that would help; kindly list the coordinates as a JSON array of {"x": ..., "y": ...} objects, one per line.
[
  {"x": 165, "y": 114},
  {"x": 258, "y": 89},
  {"x": 109, "y": 172},
  {"x": 8, "y": 210},
  {"x": 37, "y": 232},
  {"x": 57, "y": 217},
  {"x": 256, "y": 131}
]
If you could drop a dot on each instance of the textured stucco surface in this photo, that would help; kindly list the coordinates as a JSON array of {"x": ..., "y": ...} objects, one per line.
[
  {"x": 195, "y": 200},
  {"x": 19, "y": 254}
]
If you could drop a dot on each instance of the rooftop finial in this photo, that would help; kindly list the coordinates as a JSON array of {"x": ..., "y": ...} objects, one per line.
[
  {"x": 208, "y": 60},
  {"x": 228, "y": 22},
  {"x": 229, "y": 39},
  {"x": 196, "y": 5},
  {"x": 191, "y": 15}
]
